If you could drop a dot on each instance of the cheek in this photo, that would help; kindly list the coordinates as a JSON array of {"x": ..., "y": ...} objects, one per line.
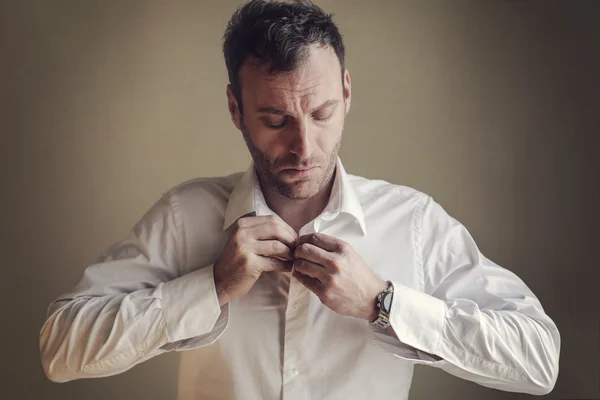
[
  {"x": 329, "y": 136},
  {"x": 267, "y": 141},
  {"x": 261, "y": 136}
]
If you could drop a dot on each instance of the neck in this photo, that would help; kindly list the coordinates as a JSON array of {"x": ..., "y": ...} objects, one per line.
[{"x": 297, "y": 213}]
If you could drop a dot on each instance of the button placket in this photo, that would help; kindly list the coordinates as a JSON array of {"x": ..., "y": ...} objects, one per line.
[{"x": 295, "y": 325}]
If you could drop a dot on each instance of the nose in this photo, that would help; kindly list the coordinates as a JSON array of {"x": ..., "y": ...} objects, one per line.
[{"x": 300, "y": 141}]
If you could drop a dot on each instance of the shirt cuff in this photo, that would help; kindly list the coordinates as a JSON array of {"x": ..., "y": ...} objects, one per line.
[
  {"x": 190, "y": 304},
  {"x": 418, "y": 321}
]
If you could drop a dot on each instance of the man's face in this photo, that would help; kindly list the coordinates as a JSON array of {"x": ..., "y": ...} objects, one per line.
[{"x": 293, "y": 122}]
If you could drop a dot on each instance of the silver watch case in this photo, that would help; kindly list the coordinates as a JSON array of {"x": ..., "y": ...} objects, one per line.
[{"x": 384, "y": 303}]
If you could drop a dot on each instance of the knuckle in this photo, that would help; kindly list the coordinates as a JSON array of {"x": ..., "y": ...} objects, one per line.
[
  {"x": 325, "y": 296},
  {"x": 241, "y": 222},
  {"x": 335, "y": 261},
  {"x": 278, "y": 229},
  {"x": 273, "y": 227},
  {"x": 276, "y": 246},
  {"x": 241, "y": 253},
  {"x": 334, "y": 275},
  {"x": 238, "y": 235}
]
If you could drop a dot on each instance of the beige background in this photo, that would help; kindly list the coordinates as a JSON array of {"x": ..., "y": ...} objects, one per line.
[{"x": 490, "y": 106}]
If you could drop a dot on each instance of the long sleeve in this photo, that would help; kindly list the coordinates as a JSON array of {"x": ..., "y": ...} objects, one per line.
[
  {"x": 472, "y": 318},
  {"x": 132, "y": 304}
]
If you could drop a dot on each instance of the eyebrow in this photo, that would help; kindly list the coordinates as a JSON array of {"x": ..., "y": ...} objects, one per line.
[{"x": 276, "y": 111}]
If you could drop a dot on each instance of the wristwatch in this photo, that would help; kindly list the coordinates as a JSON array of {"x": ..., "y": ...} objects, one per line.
[{"x": 384, "y": 304}]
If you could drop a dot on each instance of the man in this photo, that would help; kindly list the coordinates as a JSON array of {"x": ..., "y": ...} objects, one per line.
[{"x": 315, "y": 283}]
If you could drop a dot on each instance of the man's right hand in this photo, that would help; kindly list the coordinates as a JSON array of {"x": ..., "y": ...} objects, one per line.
[{"x": 257, "y": 245}]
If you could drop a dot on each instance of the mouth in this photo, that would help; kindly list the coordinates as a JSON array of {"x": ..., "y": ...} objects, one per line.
[{"x": 298, "y": 171}]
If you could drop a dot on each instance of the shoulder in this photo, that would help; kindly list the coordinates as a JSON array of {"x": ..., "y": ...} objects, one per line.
[
  {"x": 379, "y": 194},
  {"x": 382, "y": 191},
  {"x": 215, "y": 189}
]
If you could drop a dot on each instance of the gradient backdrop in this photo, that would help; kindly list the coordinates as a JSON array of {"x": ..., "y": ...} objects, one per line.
[{"x": 492, "y": 107}]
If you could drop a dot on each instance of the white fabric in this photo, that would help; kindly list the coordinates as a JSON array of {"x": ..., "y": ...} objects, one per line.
[{"x": 154, "y": 292}]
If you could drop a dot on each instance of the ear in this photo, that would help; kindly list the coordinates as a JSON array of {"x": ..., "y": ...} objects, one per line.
[
  {"x": 234, "y": 108},
  {"x": 347, "y": 90}
]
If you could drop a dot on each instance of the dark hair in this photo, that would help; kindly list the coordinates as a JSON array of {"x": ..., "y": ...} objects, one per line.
[{"x": 277, "y": 34}]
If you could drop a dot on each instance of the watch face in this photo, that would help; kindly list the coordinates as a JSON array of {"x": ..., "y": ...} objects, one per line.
[{"x": 387, "y": 302}]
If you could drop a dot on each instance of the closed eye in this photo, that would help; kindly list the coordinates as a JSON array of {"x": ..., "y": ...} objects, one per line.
[
  {"x": 277, "y": 125},
  {"x": 323, "y": 114}
]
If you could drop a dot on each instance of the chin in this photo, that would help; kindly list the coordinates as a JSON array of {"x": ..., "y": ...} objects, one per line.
[{"x": 298, "y": 190}]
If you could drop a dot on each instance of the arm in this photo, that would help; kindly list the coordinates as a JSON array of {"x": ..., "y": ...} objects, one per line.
[
  {"x": 132, "y": 304},
  {"x": 473, "y": 318}
]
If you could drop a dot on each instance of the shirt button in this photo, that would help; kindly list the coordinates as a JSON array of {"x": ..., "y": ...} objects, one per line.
[
  {"x": 295, "y": 305},
  {"x": 294, "y": 371}
]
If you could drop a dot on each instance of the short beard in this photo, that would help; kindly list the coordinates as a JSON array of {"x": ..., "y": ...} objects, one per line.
[{"x": 265, "y": 168}]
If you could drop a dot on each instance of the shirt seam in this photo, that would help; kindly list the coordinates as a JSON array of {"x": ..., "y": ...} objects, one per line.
[
  {"x": 418, "y": 240},
  {"x": 386, "y": 189},
  {"x": 175, "y": 210},
  {"x": 418, "y": 243},
  {"x": 180, "y": 235}
]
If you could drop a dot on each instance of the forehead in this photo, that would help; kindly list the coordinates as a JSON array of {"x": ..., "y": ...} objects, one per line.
[{"x": 318, "y": 78}]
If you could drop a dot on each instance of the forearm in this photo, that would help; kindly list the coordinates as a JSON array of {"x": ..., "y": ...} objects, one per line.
[
  {"x": 105, "y": 335},
  {"x": 101, "y": 336},
  {"x": 470, "y": 316},
  {"x": 510, "y": 349}
]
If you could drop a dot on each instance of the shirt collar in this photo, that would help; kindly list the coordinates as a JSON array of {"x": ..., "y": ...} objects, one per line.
[{"x": 247, "y": 198}]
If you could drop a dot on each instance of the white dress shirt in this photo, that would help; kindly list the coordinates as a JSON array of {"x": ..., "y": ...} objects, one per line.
[{"x": 154, "y": 292}]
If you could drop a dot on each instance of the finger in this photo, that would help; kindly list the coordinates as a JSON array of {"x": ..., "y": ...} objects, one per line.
[
  {"x": 270, "y": 264},
  {"x": 323, "y": 241},
  {"x": 280, "y": 222},
  {"x": 317, "y": 255},
  {"x": 310, "y": 283},
  {"x": 274, "y": 229},
  {"x": 273, "y": 248},
  {"x": 247, "y": 220},
  {"x": 311, "y": 269},
  {"x": 276, "y": 219},
  {"x": 250, "y": 220}
]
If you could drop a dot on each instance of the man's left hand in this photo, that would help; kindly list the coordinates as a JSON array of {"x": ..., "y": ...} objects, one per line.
[{"x": 331, "y": 269}]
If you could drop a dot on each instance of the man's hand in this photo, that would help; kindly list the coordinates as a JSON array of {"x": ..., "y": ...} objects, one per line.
[
  {"x": 257, "y": 245},
  {"x": 330, "y": 268}
]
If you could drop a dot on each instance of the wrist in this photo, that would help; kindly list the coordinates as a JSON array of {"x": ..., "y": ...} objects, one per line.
[
  {"x": 373, "y": 309},
  {"x": 222, "y": 296},
  {"x": 220, "y": 290}
]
